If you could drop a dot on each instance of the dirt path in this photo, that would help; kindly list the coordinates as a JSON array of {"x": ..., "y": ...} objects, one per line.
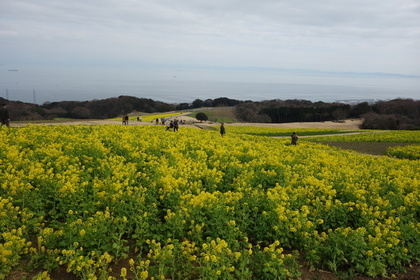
[{"x": 193, "y": 123}]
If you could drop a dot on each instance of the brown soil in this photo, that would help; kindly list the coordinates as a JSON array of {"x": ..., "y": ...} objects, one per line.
[{"x": 412, "y": 273}]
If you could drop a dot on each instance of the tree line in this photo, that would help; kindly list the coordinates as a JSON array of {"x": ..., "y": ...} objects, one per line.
[
  {"x": 95, "y": 109},
  {"x": 392, "y": 114},
  {"x": 104, "y": 108},
  {"x": 218, "y": 102}
]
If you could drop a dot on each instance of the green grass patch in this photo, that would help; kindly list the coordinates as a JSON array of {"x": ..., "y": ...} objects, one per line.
[{"x": 222, "y": 114}]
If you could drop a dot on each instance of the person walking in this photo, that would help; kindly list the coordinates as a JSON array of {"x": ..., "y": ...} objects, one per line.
[
  {"x": 294, "y": 138},
  {"x": 125, "y": 120},
  {"x": 176, "y": 125},
  {"x": 4, "y": 115},
  {"x": 222, "y": 129}
]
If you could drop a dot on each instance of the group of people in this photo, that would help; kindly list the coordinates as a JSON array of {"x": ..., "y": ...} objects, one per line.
[
  {"x": 125, "y": 119},
  {"x": 173, "y": 124}
]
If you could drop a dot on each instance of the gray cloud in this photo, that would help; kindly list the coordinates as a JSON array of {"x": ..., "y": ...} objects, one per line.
[{"x": 375, "y": 35}]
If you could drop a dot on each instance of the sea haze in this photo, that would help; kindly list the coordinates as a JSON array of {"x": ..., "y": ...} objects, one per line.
[{"x": 177, "y": 85}]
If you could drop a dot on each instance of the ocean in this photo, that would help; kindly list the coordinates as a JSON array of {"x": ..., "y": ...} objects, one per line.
[{"x": 184, "y": 86}]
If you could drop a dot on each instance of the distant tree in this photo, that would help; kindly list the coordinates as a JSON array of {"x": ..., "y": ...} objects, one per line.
[
  {"x": 208, "y": 103},
  {"x": 339, "y": 114},
  {"x": 393, "y": 114},
  {"x": 224, "y": 101},
  {"x": 58, "y": 112},
  {"x": 80, "y": 113},
  {"x": 360, "y": 109},
  {"x": 248, "y": 112},
  {"x": 377, "y": 121},
  {"x": 299, "y": 102},
  {"x": 201, "y": 116},
  {"x": 183, "y": 106},
  {"x": 405, "y": 107},
  {"x": 198, "y": 103}
]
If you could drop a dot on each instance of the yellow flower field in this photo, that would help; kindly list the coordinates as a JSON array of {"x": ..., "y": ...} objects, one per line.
[
  {"x": 194, "y": 205},
  {"x": 151, "y": 117},
  {"x": 272, "y": 132},
  {"x": 398, "y": 136},
  {"x": 410, "y": 152}
]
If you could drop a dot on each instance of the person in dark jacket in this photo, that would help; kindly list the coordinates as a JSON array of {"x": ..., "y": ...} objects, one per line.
[
  {"x": 176, "y": 125},
  {"x": 222, "y": 130},
  {"x": 294, "y": 138},
  {"x": 4, "y": 115}
]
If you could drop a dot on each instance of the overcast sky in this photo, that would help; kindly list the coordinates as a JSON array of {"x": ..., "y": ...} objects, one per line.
[
  {"x": 327, "y": 35},
  {"x": 128, "y": 40}
]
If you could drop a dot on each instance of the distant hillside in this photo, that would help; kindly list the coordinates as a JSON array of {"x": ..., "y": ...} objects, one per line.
[
  {"x": 95, "y": 109},
  {"x": 103, "y": 109},
  {"x": 106, "y": 108},
  {"x": 392, "y": 114}
]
